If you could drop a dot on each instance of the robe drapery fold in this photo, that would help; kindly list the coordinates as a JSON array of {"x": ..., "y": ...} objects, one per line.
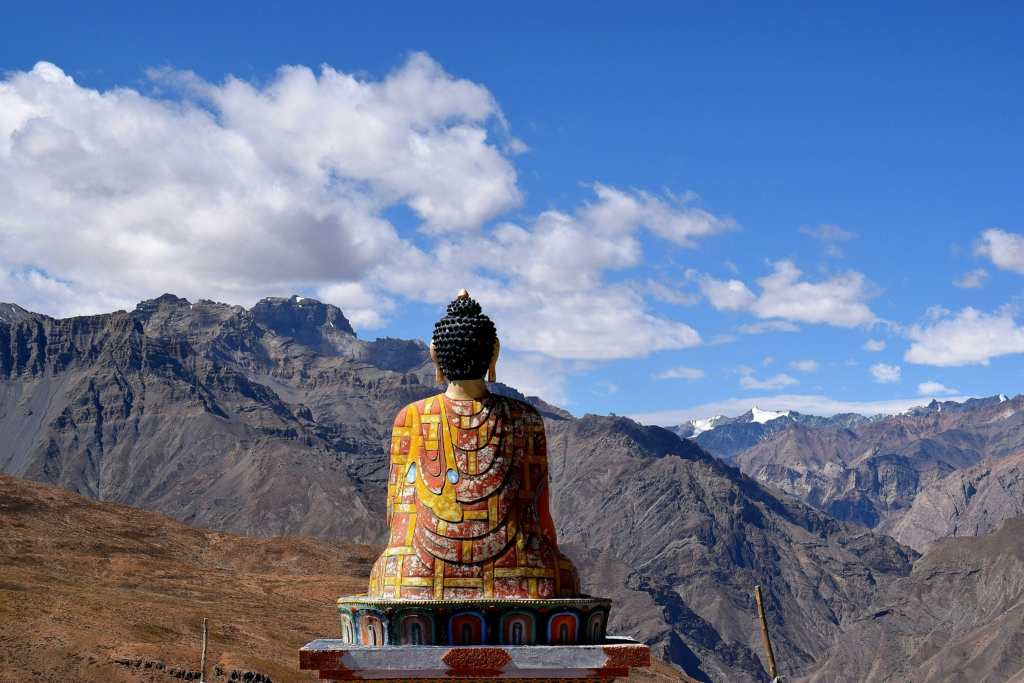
[{"x": 468, "y": 505}]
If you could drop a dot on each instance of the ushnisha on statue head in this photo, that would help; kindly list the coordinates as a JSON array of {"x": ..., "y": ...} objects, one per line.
[{"x": 464, "y": 348}]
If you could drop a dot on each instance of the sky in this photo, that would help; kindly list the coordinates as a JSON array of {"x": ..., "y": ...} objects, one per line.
[{"x": 668, "y": 209}]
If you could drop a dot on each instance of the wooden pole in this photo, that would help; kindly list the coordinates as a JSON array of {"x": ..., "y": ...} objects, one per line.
[
  {"x": 206, "y": 639},
  {"x": 764, "y": 632}
]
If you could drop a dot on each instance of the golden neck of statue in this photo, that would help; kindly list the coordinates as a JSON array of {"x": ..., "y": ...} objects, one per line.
[{"x": 463, "y": 389}]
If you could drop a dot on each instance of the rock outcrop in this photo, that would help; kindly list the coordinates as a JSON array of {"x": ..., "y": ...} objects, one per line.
[
  {"x": 957, "y": 618},
  {"x": 968, "y": 502}
]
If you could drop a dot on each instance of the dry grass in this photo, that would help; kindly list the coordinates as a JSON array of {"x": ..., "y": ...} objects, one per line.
[{"x": 85, "y": 583}]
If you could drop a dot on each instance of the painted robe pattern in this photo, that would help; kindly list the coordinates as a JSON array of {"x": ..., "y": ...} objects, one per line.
[{"x": 468, "y": 505}]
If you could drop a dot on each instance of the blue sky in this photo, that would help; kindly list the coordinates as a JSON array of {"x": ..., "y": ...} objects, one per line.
[{"x": 612, "y": 180}]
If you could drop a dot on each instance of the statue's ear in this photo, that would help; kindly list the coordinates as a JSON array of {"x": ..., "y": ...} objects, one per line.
[
  {"x": 438, "y": 372},
  {"x": 491, "y": 376}
]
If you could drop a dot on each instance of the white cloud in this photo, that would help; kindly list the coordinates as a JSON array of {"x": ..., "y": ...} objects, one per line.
[
  {"x": 748, "y": 382},
  {"x": 968, "y": 338},
  {"x": 805, "y": 365},
  {"x": 605, "y": 389},
  {"x": 537, "y": 375},
  {"x": 767, "y": 326},
  {"x": 874, "y": 345},
  {"x": 767, "y": 360},
  {"x": 682, "y": 372},
  {"x": 776, "y": 382},
  {"x": 802, "y": 403},
  {"x": 972, "y": 279},
  {"x": 238, "y": 191},
  {"x": 933, "y": 388},
  {"x": 617, "y": 211},
  {"x": 363, "y": 308},
  {"x": 1005, "y": 249},
  {"x": 828, "y": 232},
  {"x": 885, "y": 374},
  {"x": 838, "y": 301},
  {"x": 671, "y": 296},
  {"x": 726, "y": 295}
]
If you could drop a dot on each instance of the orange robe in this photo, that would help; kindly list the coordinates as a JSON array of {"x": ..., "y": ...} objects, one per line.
[{"x": 468, "y": 505}]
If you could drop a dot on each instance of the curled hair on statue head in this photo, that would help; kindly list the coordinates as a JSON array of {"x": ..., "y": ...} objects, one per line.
[{"x": 464, "y": 340}]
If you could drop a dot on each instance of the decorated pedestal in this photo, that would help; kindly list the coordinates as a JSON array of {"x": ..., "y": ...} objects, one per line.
[
  {"x": 565, "y": 621},
  {"x": 472, "y": 584}
]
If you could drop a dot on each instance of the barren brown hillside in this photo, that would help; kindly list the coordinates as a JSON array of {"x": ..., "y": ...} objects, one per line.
[{"x": 84, "y": 584}]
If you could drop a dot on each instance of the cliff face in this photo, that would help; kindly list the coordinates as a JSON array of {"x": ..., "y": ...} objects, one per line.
[
  {"x": 871, "y": 475},
  {"x": 968, "y": 502},
  {"x": 206, "y": 413}
]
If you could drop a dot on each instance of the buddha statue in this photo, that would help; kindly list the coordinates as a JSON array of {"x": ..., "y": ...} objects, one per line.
[{"x": 467, "y": 504}]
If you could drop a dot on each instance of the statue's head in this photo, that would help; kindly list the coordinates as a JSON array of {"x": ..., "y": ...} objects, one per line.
[{"x": 465, "y": 343}]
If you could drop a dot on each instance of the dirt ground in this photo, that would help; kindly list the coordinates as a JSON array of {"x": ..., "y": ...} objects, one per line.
[{"x": 95, "y": 592}]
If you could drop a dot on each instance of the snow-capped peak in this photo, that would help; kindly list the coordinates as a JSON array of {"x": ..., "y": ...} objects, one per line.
[
  {"x": 1002, "y": 397},
  {"x": 705, "y": 424},
  {"x": 762, "y": 416}
]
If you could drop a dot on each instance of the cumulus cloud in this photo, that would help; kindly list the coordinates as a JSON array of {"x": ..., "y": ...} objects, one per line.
[
  {"x": 776, "y": 382},
  {"x": 933, "y": 388},
  {"x": 970, "y": 337},
  {"x": 805, "y": 365},
  {"x": 874, "y": 345},
  {"x": 971, "y": 279},
  {"x": 236, "y": 191},
  {"x": 885, "y": 374},
  {"x": 671, "y": 296},
  {"x": 1005, "y": 249},
  {"x": 616, "y": 211},
  {"x": 838, "y": 301},
  {"x": 748, "y": 382},
  {"x": 537, "y": 375},
  {"x": 682, "y": 372}
]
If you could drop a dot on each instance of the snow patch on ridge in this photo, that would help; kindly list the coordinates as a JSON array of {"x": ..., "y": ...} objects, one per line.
[
  {"x": 763, "y": 416},
  {"x": 707, "y": 424}
]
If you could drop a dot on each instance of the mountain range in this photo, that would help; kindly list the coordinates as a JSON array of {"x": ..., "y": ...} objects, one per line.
[
  {"x": 727, "y": 437},
  {"x": 275, "y": 420},
  {"x": 890, "y": 475}
]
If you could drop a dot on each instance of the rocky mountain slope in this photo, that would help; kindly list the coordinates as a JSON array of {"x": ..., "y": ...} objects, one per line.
[
  {"x": 260, "y": 422},
  {"x": 872, "y": 474},
  {"x": 968, "y": 502},
  {"x": 686, "y": 538},
  {"x": 275, "y": 421},
  {"x": 957, "y": 618}
]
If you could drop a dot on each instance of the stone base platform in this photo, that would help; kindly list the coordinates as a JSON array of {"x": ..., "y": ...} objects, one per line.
[{"x": 341, "y": 661}]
